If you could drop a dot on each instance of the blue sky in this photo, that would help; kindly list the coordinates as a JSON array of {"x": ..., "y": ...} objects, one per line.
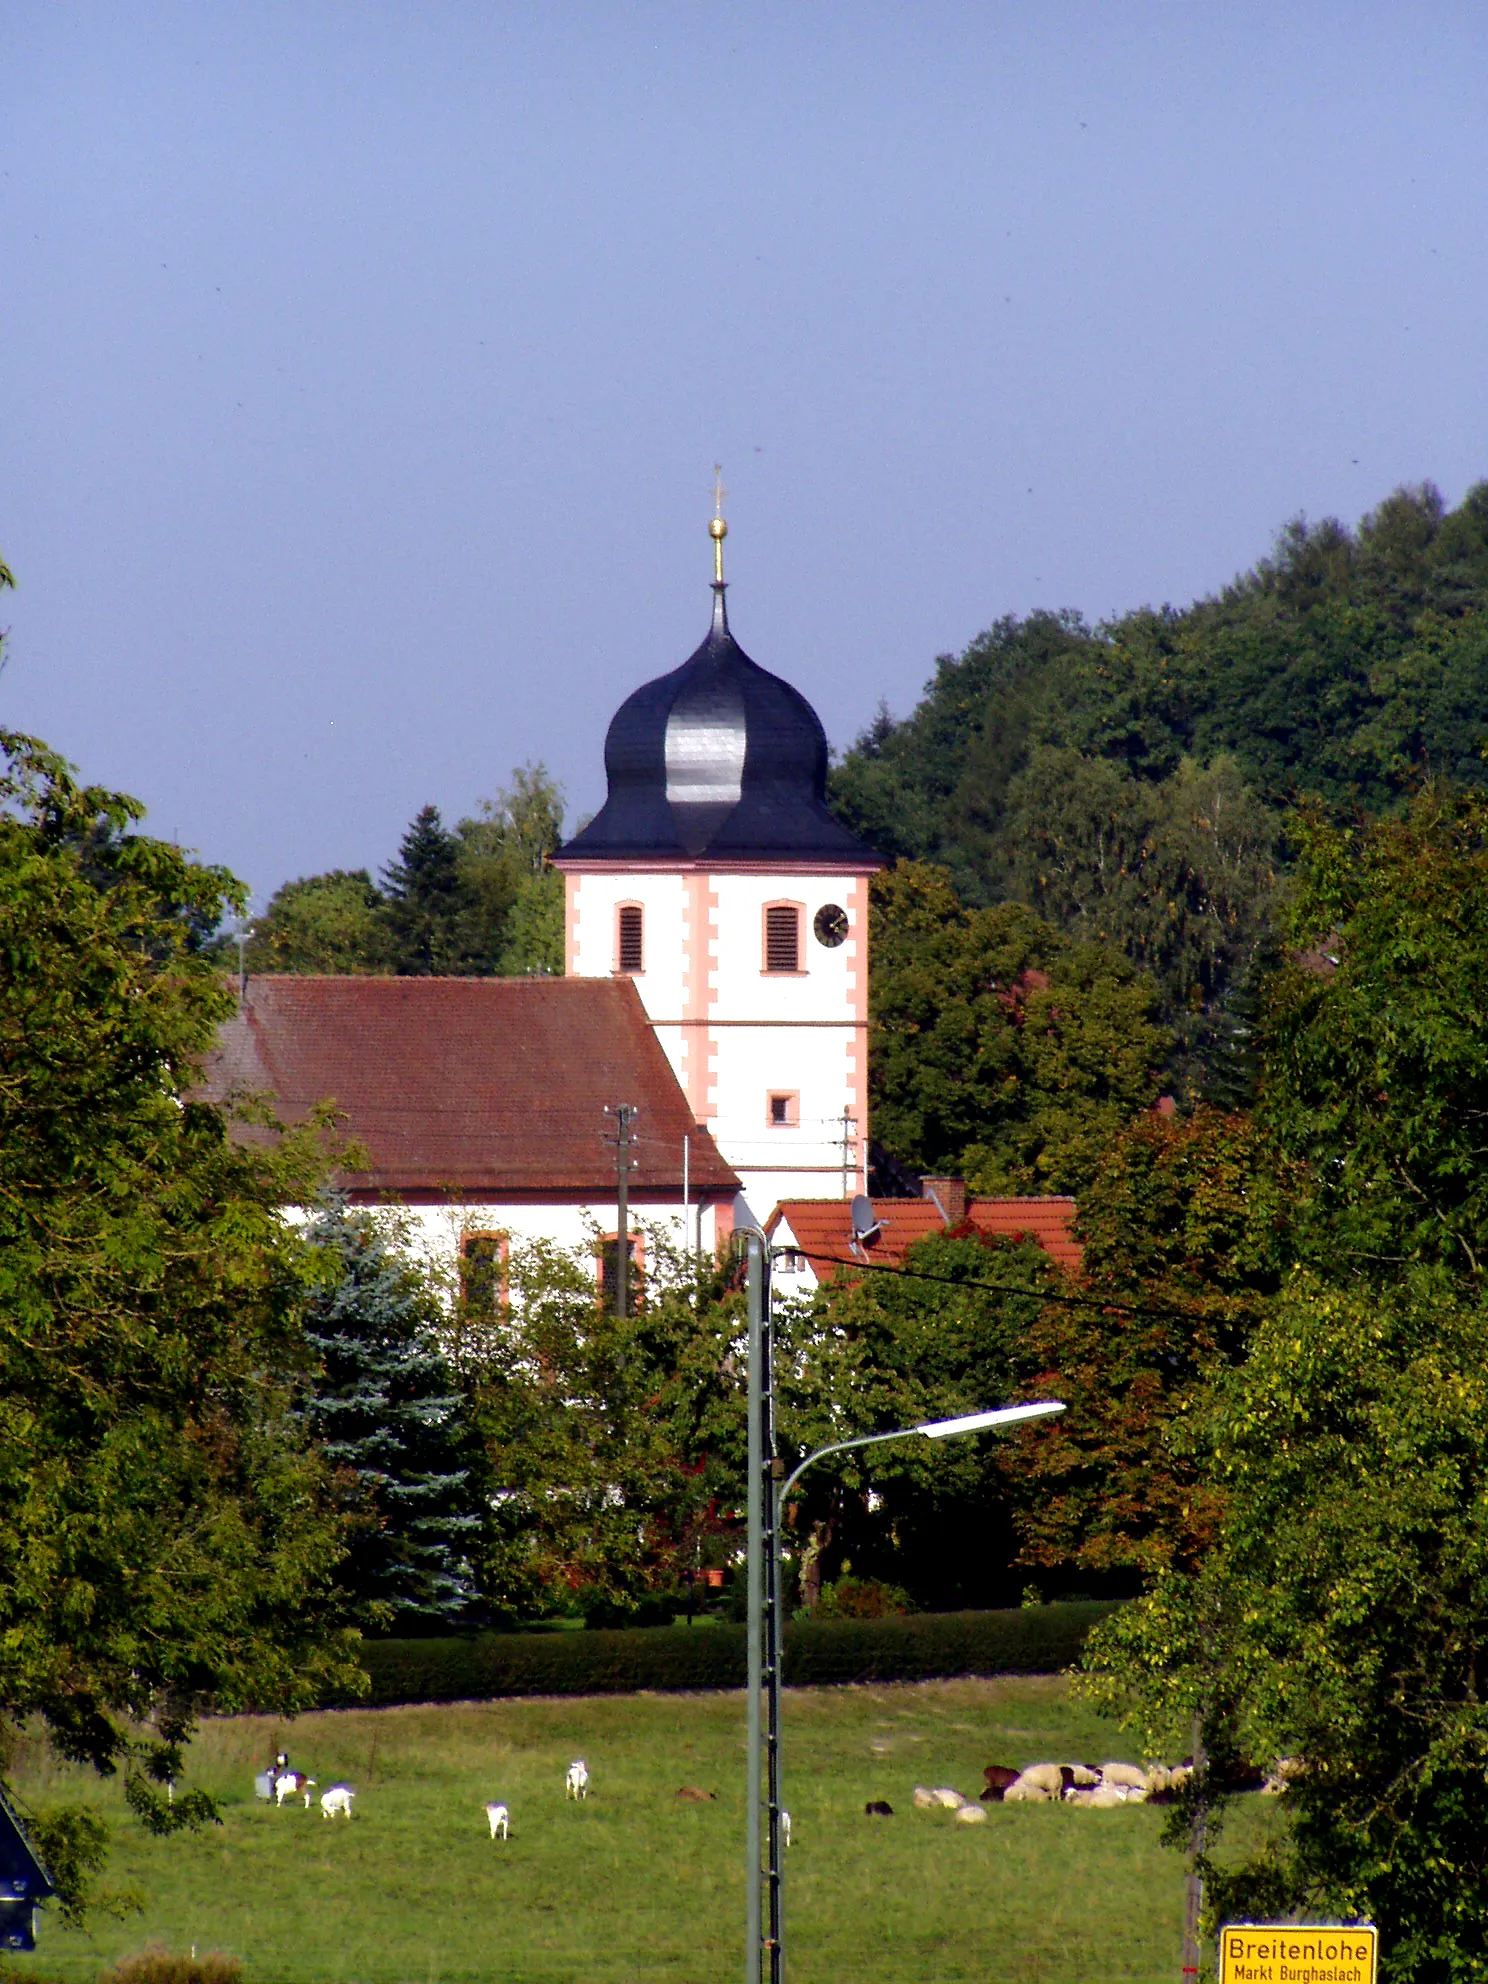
[{"x": 363, "y": 368}]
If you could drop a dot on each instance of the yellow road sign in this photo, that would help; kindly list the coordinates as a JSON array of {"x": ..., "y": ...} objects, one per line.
[{"x": 1272, "y": 1953}]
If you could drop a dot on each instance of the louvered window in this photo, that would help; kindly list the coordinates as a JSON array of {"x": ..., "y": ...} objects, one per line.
[
  {"x": 783, "y": 938},
  {"x": 632, "y": 945}
]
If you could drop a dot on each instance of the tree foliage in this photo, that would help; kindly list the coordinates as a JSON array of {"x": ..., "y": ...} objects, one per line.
[
  {"x": 1377, "y": 1048},
  {"x": 322, "y": 923},
  {"x": 476, "y": 900},
  {"x": 614, "y": 1447},
  {"x": 1187, "y": 1232},
  {"x": 1342, "y": 1619},
  {"x": 1002, "y": 1050},
  {"x": 875, "y": 1352},
  {"x": 1128, "y": 780},
  {"x": 1340, "y": 1616},
  {"x": 167, "y": 1541}
]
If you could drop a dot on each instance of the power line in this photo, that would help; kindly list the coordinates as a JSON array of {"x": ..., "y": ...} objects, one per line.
[{"x": 998, "y": 1287}]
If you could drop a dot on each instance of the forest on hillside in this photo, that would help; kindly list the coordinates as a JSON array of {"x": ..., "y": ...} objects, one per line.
[{"x": 1139, "y": 784}]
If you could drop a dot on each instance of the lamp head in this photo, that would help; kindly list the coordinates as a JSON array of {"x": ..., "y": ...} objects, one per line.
[{"x": 982, "y": 1422}]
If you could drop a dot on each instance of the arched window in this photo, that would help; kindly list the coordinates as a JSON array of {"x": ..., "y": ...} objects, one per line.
[{"x": 630, "y": 937}]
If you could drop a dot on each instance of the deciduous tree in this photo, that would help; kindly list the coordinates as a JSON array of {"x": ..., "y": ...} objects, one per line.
[
  {"x": 167, "y": 1541},
  {"x": 1001, "y": 1049}
]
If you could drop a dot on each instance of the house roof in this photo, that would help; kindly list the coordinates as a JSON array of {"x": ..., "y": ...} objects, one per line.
[
  {"x": 822, "y": 1228},
  {"x": 477, "y": 1087}
]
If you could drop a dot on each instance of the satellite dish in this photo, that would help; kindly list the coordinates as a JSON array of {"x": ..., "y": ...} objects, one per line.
[{"x": 865, "y": 1228}]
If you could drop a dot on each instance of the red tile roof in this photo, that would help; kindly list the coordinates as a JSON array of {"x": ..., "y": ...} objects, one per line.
[
  {"x": 472, "y": 1086},
  {"x": 823, "y": 1228}
]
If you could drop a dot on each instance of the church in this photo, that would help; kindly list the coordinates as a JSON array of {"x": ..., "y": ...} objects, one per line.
[
  {"x": 710, "y": 1032},
  {"x": 716, "y": 880}
]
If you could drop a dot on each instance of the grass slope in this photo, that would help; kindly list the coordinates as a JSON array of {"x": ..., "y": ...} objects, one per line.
[{"x": 635, "y": 1887}]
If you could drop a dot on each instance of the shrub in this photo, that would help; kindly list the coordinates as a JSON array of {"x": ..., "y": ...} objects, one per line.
[
  {"x": 1038, "y": 1640},
  {"x": 156, "y": 1965},
  {"x": 862, "y": 1598}
]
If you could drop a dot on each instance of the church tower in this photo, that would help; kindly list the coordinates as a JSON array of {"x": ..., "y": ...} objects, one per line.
[{"x": 715, "y": 878}]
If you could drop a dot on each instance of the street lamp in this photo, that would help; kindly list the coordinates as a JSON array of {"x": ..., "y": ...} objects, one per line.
[
  {"x": 766, "y": 1627},
  {"x": 933, "y": 1429}
]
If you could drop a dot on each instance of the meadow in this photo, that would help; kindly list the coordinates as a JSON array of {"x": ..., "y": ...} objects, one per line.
[{"x": 636, "y": 1886}]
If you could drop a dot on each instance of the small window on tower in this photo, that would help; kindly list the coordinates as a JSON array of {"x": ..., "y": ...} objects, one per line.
[
  {"x": 631, "y": 946},
  {"x": 785, "y": 1110},
  {"x": 782, "y": 937}
]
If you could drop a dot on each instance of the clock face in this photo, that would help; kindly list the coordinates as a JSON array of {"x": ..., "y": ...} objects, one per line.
[{"x": 830, "y": 925}]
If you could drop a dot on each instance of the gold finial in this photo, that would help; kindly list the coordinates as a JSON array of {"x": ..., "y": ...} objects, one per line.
[{"x": 718, "y": 529}]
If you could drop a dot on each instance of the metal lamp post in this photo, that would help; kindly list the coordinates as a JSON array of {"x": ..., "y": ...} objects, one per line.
[{"x": 766, "y": 1634}]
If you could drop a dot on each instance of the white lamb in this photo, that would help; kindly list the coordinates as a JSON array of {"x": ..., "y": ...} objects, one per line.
[
  {"x": 577, "y": 1784},
  {"x": 337, "y": 1799},
  {"x": 496, "y": 1818}
]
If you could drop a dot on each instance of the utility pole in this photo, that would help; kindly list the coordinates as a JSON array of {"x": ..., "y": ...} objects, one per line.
[
  {"x": 1193, "y": 1897},
  {"x": 774, "y": 1472},
  {"x": 755, "y": 1562},
  {"x": 764, "y": 1937},
  {"x": 623, "y": 1113},
  {"x": 849, "y": 1125}
]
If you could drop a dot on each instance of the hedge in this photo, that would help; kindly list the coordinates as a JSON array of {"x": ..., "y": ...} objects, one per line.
[{"x": 1037, "y": 1639}]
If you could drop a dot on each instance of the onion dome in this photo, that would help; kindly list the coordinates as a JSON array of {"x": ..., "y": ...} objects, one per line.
[{"x": 718, "y": 759}]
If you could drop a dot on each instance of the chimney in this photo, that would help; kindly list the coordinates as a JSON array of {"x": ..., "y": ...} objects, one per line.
[{"x": 949, "y": 1194}]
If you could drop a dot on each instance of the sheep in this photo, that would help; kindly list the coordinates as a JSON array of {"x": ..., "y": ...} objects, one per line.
[
  {"x": 878, "y": 1808},
  {"x": 577, "y": 1783},
  {"x": 1124, "y": 1774},
  {"x": 925, "y": 1800},
  {"x": 972, "y": 1815},
  {"x": 1024, "y": 1793},
  {"x": 1053, "y": 1779},
  {"x": 337, "y": 1799},
  {"x": 785, "y": 1828},
  {"x": 496, "y": 1818},
  {"x": 289, "y": 1783},
  {"x": 998, "y": 1777}
]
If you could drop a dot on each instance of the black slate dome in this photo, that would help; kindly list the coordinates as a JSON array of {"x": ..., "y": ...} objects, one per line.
[{"x": 719, "y": 759}]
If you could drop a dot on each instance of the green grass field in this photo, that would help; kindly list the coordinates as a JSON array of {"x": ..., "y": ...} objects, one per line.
[{"x": 635, "y": 1885}]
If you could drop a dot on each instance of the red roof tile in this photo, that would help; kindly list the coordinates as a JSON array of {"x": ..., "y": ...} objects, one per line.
[
  {"x": 823, "y": 1228},
  {"x": 473, "y": 1086}
]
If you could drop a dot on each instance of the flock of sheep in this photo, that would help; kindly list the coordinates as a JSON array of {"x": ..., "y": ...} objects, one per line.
[
  {"x": 1038, "y": 1784},
  {"x": 1073, "y": 1784}
]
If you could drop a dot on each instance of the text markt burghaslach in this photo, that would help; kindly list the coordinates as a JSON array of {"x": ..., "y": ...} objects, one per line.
[{"x": 1270, "y": 1953}]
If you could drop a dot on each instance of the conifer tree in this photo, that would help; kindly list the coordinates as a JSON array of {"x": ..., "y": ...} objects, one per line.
[
  {"x": 383, "y": 1410},
  {"x": 425, "y": 899}
]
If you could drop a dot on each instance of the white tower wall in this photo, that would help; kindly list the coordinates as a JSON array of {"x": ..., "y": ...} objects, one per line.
[{"x": 738, "y": 1034}]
